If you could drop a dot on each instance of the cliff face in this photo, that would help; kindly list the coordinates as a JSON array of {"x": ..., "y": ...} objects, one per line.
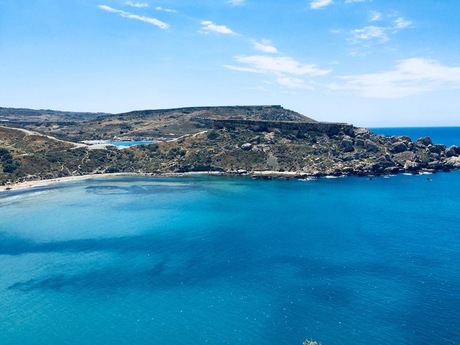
[
  {"x": 256, "y": 144},
  {"x": 299, "y": 129}
]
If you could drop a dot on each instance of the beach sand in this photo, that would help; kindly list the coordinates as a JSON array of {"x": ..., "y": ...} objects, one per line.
[
  {"x": 40, "y": 183},
  {"x": 47, "y": 182}
]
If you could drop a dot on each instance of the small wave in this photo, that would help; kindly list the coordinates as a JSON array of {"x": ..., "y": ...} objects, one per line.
[{"x": 308, "y": 179}]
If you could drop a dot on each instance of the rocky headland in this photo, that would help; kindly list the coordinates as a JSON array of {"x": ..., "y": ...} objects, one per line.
[{"x": 260, "y": 141}]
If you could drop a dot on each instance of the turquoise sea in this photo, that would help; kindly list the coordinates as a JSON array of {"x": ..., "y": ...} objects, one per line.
[
  {"x": 129, "y": 143},
  {"x": 215, "y": 260}
]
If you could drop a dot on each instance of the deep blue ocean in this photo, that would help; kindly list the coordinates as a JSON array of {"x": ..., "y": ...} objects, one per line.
[{"x": 215, "y": 260}]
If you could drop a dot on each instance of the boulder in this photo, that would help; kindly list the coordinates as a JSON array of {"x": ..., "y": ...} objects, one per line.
[
  {"x": 381, "y": 164},
  {"x": 255, "y": 140},
  {"x": 452, "y": 151},
  {"x": 424, "y": 142},
  {"x": 452, "y": 162},
  {"x": 347, "y": 157},
  {"x": 435, "y": 165},
  {"x": 411, "y": 165},
  {"x": 403, "y": 157},
  {"x": 246, "y": 147},
  {"x": 405, "y": 138},
  {"x": 347, "y": 144},
  {"x": 359, "y": 141},
  {"x": 399, "y": 146},
  {"x": 371, "y": 146},
  {"x": 364, "y": 133},
  {"x": 436, "y": 148}
]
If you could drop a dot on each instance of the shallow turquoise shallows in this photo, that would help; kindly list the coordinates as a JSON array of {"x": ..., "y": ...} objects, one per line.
[
  {"x": 128, "y": 143},
  {"x": 196, "y": 260}
]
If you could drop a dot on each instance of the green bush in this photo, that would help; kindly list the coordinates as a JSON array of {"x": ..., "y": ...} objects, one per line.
[
  {"x": 5, "y": 155},
  {"x": 10, "y": 167},
  {"x": 112, "y": 170},
  {"x": 212, "y": 135}
]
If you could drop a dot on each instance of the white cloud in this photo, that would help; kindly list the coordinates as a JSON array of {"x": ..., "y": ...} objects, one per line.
[
  {"x": 125, "y": 14},
  {"x": 410, "y": 77},
  {"x": 159, "y": 8},
  {"x": 207, "y": 26},
  {"x": 316, "y": 4},
  {"x": 276, "y": 65},
  {"x": 293, "y": 83},
  {"x": 378, "y": 33},
  {"x": 236, "y": 2},
  {"x": 401, "y": 23},
  {"x": 286, "y": 70},
  {"x": 265, "y": 46},
  {"x": 369, "y": 33},
  {"x": 137, "y": 4},
  {"x": 374, "y": 16}
]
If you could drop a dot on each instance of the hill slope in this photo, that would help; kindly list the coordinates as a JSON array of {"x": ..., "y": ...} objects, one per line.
[
  {"x": 259, "y": 141},
  {"x": 138, "y": 125}
]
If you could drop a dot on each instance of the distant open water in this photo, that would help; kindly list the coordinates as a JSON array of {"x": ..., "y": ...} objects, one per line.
[{"x": 214, "y": 260}]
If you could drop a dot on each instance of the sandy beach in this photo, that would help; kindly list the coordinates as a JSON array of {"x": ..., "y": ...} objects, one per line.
[{"x": 40, "y": 183}]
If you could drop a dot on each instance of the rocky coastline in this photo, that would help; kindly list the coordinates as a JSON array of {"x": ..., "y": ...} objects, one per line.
[{"x": 273, "y": 146}]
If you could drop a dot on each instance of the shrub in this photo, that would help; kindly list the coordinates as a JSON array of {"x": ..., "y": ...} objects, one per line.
[
  {"x": 212, "y": 135},
  {"x": 5, "y": 155},
  {"x": 10, "y": 167}
]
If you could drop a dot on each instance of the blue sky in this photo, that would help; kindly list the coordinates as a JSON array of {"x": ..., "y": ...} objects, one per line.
[{"x": 366, "y": 62}]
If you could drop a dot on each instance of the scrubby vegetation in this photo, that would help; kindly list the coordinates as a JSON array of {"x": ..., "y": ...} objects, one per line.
[
  {"x": 8, "y": 164},
  {"x": 260, "y": 141}
]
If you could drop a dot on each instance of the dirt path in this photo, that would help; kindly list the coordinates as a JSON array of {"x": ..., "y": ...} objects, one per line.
[{"x": 27, "y": 132}]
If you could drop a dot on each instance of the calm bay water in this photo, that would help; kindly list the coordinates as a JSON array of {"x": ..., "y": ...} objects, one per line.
[
  {"x": 129, "y": 143},
  {"x": 198, "y": 260}
]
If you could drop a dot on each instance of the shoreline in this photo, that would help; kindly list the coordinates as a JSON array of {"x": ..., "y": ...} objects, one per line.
[
  {"x": 46, "y": 182},
  {"x": 255, "y": 175}
]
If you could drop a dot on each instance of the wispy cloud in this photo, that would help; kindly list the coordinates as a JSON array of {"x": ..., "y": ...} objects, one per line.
[
  {"x": 207, "y": 26},
  {"x": 286, "y": 70},
  {"x": 401, "y": 23},
  {"x": 265, "y": 46},
  {"x": 293, "y": 83},
  {"x": 150, "y": 20},
  {"x": 316, "y": 4},
  {"x": 236, "y": 2},
  {"x": 378, "y": 33},
  {"x": 277, "y": 65},
  {"x": 410, "y": 77},
  {"x": 370, "y": 33},
  {"x": 137, "y": 4},
  {"x": 374, "y": 16},
  {"x": 159, "y": 8}
]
